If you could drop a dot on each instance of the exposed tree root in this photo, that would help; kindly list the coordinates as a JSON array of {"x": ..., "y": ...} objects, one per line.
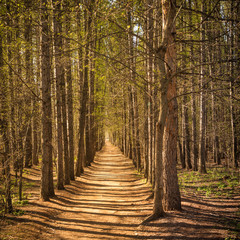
[
  {"x": 150, "y": 196},
  {"x": 152, "y": 217}
]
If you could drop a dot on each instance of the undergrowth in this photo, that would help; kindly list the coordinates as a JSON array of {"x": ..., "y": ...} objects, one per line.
[{"x": 218, "y": 182}]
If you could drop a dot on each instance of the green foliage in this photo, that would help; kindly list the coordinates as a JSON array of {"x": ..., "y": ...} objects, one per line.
[
  {"x": 217, "y": 183},
  {"x": 18, "y": 212}
]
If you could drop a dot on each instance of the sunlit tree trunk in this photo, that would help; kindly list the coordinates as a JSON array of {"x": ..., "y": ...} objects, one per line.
[
  {"x": 172, "y": 199},
  {"x": 202, "y": 130},
  {"x": 70, "y": 98},
  {"x": 165, "y": 54},
  {"x": 65, "y": 130},
  {"x": 58, "y": 43},
  {"x": 149, "y": 87},
  {"x": 84, "y": 97}
]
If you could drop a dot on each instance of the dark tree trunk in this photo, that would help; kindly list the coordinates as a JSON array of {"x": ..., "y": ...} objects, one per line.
[
  {"x": 29, "y": 76},
  {"x": 4, "y": 130},
  {"x": 193, "y": 102},
  {"x": 46, "y": 186}
]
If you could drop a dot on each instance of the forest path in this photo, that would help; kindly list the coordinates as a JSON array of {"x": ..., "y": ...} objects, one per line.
[{"x": 108, "y": 202}]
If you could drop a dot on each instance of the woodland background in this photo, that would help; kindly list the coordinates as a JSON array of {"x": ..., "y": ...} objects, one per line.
[{"x": 78, "y": 72}]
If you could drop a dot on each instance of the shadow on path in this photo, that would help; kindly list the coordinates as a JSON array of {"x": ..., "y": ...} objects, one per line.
[{"x": 108, "y": 202}]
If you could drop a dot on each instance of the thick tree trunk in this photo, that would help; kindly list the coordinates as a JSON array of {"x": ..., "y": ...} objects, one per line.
[
  {"x": 167, "y": 67},
  {"x": 172, "y": 199},
  {"x": 46, "y": 188}
]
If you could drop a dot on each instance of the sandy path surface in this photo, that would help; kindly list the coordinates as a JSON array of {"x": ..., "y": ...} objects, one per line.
[{"x": 110, "y": 203}]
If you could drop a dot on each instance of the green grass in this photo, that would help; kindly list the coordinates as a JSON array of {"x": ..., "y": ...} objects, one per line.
[{"x": 218, "y": 182}]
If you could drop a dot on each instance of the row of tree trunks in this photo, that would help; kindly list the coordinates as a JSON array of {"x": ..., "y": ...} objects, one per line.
[{"x": 4, "y": 130}]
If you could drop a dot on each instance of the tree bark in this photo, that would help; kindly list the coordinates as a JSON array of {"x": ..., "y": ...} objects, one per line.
[
  {"x": 29, "y": 76},
  {"x": 70, "y": 99},
  {"x": 172, "y": 199},
  {"x": 166, "y": 71},
  {"x": 84, "y": 98},
  {"x": 202, "y": 144},
  {"x": 58, "y": 43},
  {"x": 193, "y": 100},
  {"x": 46, "y": 187}
]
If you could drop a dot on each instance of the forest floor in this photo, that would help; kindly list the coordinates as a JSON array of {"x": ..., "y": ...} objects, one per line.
[{"x": 109, "y": 202}]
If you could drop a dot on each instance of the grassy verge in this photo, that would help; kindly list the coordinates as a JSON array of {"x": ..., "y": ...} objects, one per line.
[{"x": 218, "y": 183}]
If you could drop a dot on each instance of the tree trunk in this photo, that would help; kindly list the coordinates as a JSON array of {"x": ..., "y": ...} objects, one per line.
[
  {"x": 70, "y": 99},
  {"x": 172, "y": 199},
  {"x": 46, "y": 107},
  {"x": 65, "y": 131},
  {"x": 187, "y": 133},
  {"x": 166, "y": 69},
  {"x": 29, "y": 76},
  {"x": 36, "y": 110},
  {"x": 193, "y": 101},
  {"x": 58, "y": 43},
  {"x": 91, "y": 94},
  {"x": 202, "y": 144},
  {"x": 231, "y": 96},
  {"x": 84, "y": 98},
  {"x": 150, "y": 82},
  {"x": 138, "y": 152}
]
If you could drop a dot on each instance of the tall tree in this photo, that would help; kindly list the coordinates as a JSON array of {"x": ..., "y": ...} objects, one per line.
[
  {"x": 58, "y": 43},
  {"x": 47, "y": 176},
  {"x": 70, "y": 95},
  {"x": 84, "y": 97},
  {"x": 172, "y": 199},
  {"x": 29, "y": 76},
  {"x": 167, "y": 67},
  {"x": 202, "y": 143}
]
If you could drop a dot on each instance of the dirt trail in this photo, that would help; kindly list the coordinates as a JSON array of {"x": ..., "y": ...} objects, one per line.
[{"x": 108, "y": 202}]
